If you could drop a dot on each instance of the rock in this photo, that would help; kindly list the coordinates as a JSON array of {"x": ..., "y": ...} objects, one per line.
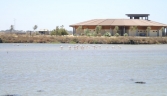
[
  {"x": 11, "y": 95},
  {"x": 39, "y": 90},
  {"x": 140, "y": 82}
]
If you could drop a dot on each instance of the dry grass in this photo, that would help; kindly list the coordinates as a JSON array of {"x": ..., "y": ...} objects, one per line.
[{"x": 13, "y": 38}]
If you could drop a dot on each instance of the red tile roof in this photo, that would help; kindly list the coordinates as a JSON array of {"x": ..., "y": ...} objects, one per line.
[{"x": 119, "y": 22}]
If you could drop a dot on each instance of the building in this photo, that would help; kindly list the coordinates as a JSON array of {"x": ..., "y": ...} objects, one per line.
[
  {"x": 44, "y": 31},
  {"x": 137, "y": 25}
]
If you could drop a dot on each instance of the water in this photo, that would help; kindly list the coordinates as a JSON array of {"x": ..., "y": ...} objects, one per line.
[{"x": 48, "y": 70}]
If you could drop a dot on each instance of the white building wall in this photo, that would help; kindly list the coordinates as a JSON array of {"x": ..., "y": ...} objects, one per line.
[
  {"x": 132, "y": 33},
  {"x": 160, "y": 33},
  {"x": 153, "y": 33}
]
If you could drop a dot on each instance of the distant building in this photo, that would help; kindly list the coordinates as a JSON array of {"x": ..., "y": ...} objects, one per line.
[
  {"x": 140, "y": 21},
  {"x": 44, "y": 32}
]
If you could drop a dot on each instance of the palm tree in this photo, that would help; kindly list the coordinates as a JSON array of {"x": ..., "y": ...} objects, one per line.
[
  {"x": 116, "y": 29},
  {"x": 131, "y": 29},
  {"x": 148, "y": 31},
  {"x": 35, "y": 27},
  {"x": 98, "y": 29},
  {"x": 11, "y": 28},
  {"x": 86, "y": 32},
  {"x": 162, "y": 30},
  {"x": 135, "y": 30},
  {"x": 79, "y": 29}
]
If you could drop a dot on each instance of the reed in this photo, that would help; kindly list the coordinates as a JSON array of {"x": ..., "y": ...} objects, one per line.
[{"x": 13, "y": 38}]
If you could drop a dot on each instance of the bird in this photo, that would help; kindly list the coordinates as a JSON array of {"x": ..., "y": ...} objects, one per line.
[
  {"x": 61, "y": 47},
  {"x": 69, "y": 47}
]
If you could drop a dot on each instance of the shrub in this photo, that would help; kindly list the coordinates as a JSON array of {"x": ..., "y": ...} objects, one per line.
[
  {"x": 94, "y": 34},
  {"x": 117, "y": 35},
  {"x": 126, "y": 34},
  {"x": 107, "y": 34},
  {"x": 0, "y": 40},
  {"x": 99, "y": 34},
  {"x": 89, "y": 34},
  {"x": 86, "y": 32},
  {"x": 59, "y": 31}
]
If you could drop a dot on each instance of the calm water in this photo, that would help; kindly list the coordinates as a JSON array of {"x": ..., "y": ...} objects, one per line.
[{"x": 48, "y": 70}]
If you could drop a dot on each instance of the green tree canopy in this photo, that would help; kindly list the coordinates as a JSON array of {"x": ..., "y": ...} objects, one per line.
[
  {"x": 116, "y": 29},
  {"x": 59, "y": 31},
  {"x": 98, "y": 29}
]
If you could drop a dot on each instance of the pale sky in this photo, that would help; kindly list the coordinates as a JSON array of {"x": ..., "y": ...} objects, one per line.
[{"x": 48, "y": 14}]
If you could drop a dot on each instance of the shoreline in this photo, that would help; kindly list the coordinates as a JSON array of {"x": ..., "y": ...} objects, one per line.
[{"x": 10, "y": 38}]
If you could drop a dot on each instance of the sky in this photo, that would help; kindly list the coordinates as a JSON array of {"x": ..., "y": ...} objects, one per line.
[{"x": 47, "y": 14}]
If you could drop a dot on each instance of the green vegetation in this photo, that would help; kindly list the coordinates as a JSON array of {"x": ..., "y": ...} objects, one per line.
[
  {"x": 98, "y": 29},
  {"x": 126, "y": 34},
  {"x": 133, "y": 29},
  {"x": 59, "y": 31},
  {"x": 87, "y": 32},
  {"x": 148, "y": 31},
  {"x": 79, "y": 30},
  {"x": 117, "y": 35},
  {"x": 107, "y": 34},
  {"x": 116, "y": 29}
]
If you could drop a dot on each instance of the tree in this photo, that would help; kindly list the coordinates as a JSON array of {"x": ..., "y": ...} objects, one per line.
[
  {"x": 87, "y": 32},
  {"x": 98, "y": 29},
  {"x": 130, "y": 29},
  {"x": 116, "y": 29},
  {"x": 59, "y": 31},
  {"x": 107, "y": 34},
  {"x": 133, "y": 29},
  {"x": 162, "y": 30},
  {"x": 79, "y": 29},
  {"x": 11, "y": 28},
  {"x": 62, "y": 31},
  {"x": 35, "y": 27},
  {"x": 148, "y": 31}
]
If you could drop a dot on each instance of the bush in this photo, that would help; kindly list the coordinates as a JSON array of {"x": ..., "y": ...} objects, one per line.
[
  {"x": 126, "y": 34},
  {"x": 86, "y": 32},
  {"x": 94, "y": 34},
  {"x": 107, "y": 34},
  {"x": 0, "y": 40},
  {"x": 99, "y": 34},
  {"x": 59, "y": 31},
  {"x": 117, "y": 35}
]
